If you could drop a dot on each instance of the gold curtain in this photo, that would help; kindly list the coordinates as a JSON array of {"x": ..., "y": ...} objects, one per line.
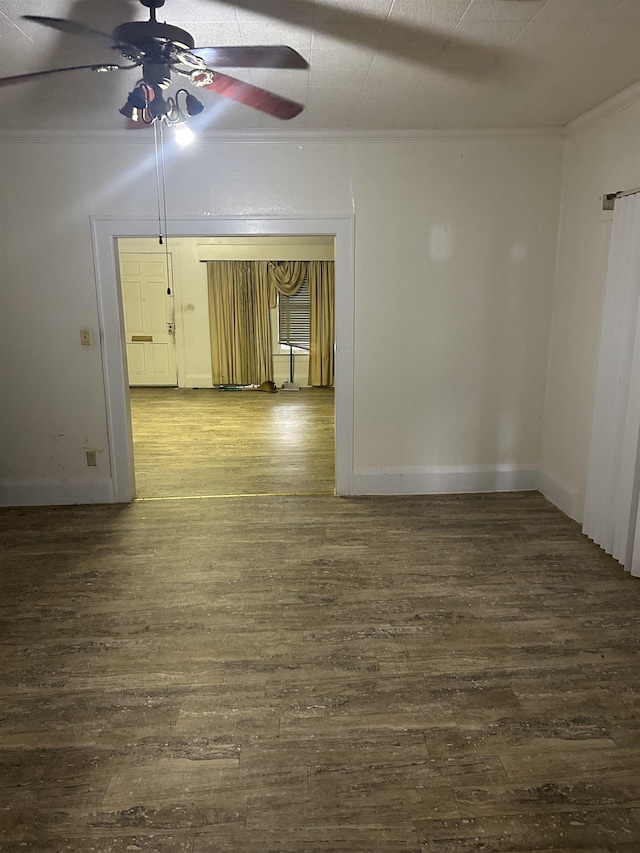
[
  {"x": 322, "y": 295},
  {"x": 262, "y": 325},
  {"x": 239, "y": 323}
]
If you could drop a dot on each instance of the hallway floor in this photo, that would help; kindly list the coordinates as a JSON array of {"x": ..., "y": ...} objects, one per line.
[
  {"x": 211, "y": 442},
  {"x": 313, "y": 674}
]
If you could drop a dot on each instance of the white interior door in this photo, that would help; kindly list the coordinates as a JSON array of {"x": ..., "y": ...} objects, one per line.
[{"x": 148, "y": 319}]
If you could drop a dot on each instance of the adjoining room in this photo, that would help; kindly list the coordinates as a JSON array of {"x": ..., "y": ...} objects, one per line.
[{"x": 230, "y": 393}]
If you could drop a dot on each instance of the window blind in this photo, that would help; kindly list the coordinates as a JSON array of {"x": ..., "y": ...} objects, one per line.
[{"x": 294, "y": 318}]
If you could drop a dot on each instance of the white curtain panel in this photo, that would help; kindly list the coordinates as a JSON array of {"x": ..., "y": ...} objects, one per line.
[{"x": 613, "y": 481}]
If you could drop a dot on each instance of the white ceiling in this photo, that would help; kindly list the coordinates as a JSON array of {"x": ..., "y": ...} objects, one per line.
[{"x": 374, "y": 64}]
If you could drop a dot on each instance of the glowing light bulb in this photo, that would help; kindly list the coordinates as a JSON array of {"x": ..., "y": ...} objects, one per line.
[{"x": 184, "y": 136}]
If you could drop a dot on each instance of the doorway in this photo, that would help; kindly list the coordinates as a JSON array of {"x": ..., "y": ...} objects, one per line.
[
  {"x": 193, "y": 440},
  {"x": 106, "y": 232}
]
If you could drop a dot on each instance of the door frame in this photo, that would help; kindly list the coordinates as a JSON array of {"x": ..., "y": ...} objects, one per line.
[{"x": 105, "y": 232}]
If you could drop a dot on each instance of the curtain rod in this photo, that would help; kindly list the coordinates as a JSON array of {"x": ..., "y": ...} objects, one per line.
[{"x": 609, "y": 199}]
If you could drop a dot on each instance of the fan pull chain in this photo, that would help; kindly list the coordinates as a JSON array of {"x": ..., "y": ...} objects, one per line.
[
  {"x": 162, "y": 200},
  {"x": 158, "y": 189},
  {"x": 164, "y": 210}
]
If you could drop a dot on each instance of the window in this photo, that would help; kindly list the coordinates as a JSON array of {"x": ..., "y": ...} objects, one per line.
[{"x": 294, "y": 318}]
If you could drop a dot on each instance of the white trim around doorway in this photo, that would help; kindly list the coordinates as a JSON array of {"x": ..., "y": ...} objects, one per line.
[{"x": 105, "y": 232}]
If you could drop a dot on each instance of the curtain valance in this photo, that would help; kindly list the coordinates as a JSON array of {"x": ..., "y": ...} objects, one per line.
[{"x": 286, "y": 278}]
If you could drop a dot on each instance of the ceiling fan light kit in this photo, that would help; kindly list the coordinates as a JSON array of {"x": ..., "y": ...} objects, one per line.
[{"x": 146, "y": 104}]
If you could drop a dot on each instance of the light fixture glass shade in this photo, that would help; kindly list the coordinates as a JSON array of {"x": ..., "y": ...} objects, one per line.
[
  {"x": 138, "y": 98},
  {"x": 129, "y": 111},
  {"x": 158, "y": 107},
  {"x": 193, "y": 105}
]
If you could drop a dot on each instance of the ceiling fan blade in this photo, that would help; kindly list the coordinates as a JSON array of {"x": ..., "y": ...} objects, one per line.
[
  {"x": 23, "y": 78},
  {"x": 418, "y": 43},
  {"x": 251, "y": 96},
  {"x": 74, "y": 28},
  {"x": 261, "y": 56}
]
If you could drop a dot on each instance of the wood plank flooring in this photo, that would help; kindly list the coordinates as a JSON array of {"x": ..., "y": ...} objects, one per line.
[
  {"x": 316, "y": 675},
  {"x": 211, "y": 442}
]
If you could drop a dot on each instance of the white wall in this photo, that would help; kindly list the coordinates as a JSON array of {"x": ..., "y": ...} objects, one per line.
[
  {"x": 602, "y": 155},
  {"x": 461, "y": 294},
  {"x": 454, "y": 258}
]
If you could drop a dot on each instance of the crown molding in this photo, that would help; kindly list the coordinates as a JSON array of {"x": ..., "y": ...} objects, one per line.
[
  {"x": 615, "y": 104},
  {"x": 294, "y": 137}
]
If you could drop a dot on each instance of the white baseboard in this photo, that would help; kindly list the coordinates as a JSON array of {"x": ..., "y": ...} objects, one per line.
[
  {"x": 564, "y": 496},
  {"x": 196, "y": 380},
  {"x": 41, "y": 492},
  {"x": 446, "y": 479},
  {"x": 365, "y": 481}
]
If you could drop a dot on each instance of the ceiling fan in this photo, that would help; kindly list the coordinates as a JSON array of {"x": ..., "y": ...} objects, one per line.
[{"x": 161, "y": 50}]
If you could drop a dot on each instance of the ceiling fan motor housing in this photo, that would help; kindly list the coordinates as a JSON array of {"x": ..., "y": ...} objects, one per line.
[
  {"x": 159, "y": 45},
  {"x": 150, "y": 35}
]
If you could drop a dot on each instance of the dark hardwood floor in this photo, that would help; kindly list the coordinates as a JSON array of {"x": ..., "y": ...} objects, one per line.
[
  {"x": 210, "y": 442},
  {"x": 313, "y": 674}
]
